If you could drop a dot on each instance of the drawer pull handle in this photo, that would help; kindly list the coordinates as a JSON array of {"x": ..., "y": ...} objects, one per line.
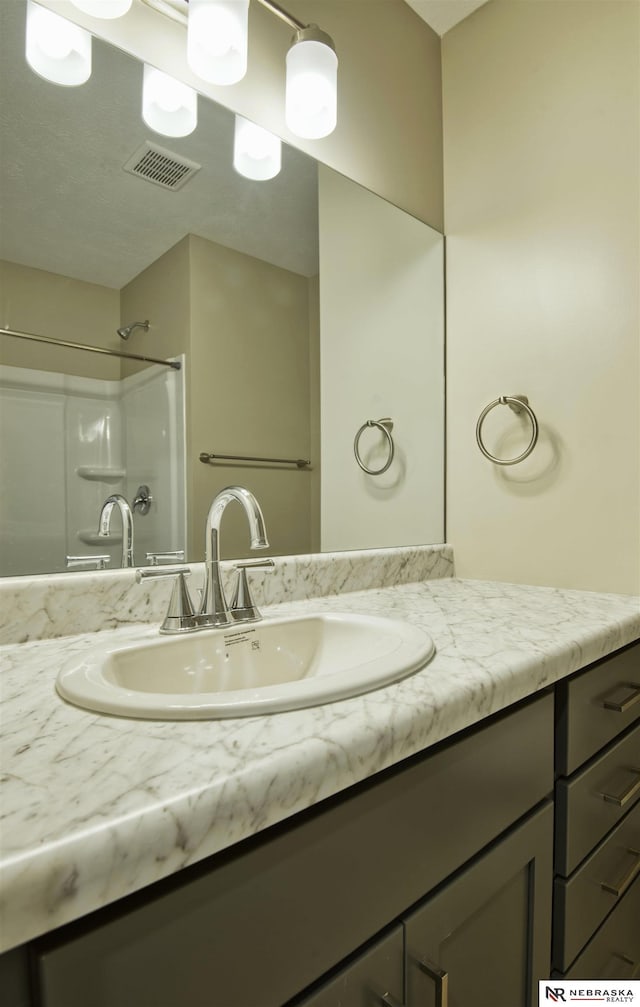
[
  {"x": 390, "y": 1001},
  {"x": 622, "y": 885},
  {"x": 440, "y": 978},
  {"x": 621, "y": 706},
  {"x": 621, "y": 799}
]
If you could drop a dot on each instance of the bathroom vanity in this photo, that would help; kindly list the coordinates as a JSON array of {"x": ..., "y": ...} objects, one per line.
[{"x": 375, "y": 850}]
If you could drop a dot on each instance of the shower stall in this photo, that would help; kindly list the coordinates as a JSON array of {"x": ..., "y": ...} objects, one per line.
[{"x": 68, "y": 442}]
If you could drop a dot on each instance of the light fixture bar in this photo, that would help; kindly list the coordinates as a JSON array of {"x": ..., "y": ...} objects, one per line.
[
  {"x": 178, "y": 10},
  {"x": 283, "y": 15}
]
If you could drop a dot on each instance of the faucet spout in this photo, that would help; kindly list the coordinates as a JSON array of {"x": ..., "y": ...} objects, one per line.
[
  {"x": 214, "y": 610},
  {"x": 104, "y": 525}
]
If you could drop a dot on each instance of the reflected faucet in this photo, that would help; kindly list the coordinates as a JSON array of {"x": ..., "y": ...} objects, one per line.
[
  {"x": 104, "y": 525},
  {"x": 214, "y": 610}
]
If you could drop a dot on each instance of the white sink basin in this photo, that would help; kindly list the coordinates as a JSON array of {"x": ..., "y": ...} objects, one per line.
[{"x": 246, "y": 670}]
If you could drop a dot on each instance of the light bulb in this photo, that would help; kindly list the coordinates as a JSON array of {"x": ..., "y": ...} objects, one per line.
[
  {"x": 217, "y": 32},
  {"x": 168, "y": 106},
  {"x": 56, "y": 49},
  {"x": 103, "y": 8},
  {"x": 311, "y": 87},
  {"x": 257, "y": 153}
]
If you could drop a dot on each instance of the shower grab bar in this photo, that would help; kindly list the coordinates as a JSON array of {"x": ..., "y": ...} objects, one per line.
[
  {"x": 175, "y": 364},
  {"x": 386, "y": 426},
  {"x": 519, "y": 404},
  {"x": 301, "y": 463}
]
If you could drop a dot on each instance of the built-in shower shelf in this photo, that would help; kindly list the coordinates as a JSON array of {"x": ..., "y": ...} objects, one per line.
[
  {"x": 91, "y": 537},
  {"x": 96, "y": 473}
]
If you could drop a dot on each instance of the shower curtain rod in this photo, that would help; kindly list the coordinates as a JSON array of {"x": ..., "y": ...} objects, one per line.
[{"x": 175, "y": 364}]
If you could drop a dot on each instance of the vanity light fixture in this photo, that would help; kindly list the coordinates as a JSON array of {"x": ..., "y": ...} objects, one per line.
[
  {"x": 105, "y": 9},
  {"x": 56, "y": 49},
  {"x": 168, "y": 106},
  {"x": 217, "y": 39},
  {"x": 311, "y": 96},
  {"x": 217, "y": 52},
  {"x": 257, "y": 153},
  {"x": 311, "y": 87}
]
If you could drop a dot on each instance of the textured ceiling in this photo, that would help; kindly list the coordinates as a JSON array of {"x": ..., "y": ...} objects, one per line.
[
  {"x": 67, "y": 205},
  {"x": 442, "y": 15}
]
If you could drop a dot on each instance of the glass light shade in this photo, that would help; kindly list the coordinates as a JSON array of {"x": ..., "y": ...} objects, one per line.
[
  {"x": 257, "y": 153},
  {"x": 168, "y": 106},
  {"x": 217, "y": 34},
  {"x": 56, "y": 49},
  {"x": 103, "y": 8},
  {"x": 311, "y": 98}
]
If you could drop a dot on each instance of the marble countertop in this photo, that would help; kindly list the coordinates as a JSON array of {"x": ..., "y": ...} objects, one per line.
[{"x": 95, "y": 807}]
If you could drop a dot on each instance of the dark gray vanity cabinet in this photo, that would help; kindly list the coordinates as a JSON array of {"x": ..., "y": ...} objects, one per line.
[
  {"x": 482, "y": 938},
  {"x": 343, "y": 891},
  {"x": 596, "y": 922}
]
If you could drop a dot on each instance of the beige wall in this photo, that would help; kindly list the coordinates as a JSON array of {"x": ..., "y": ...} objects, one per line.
[
  {"x": 542, "y": 213},
  {"x": 389, "y": 133},
  {"x": 46, "y": 304},
  {"x": 249, "y": 392}
]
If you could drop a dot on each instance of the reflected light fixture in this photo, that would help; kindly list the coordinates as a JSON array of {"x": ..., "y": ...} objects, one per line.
[
  {"x": 168, "y": 106},
  {"x": 257, "y": 153},
  {"x": 105, "y": 9},
  {"x": 56, "y": 49},
  {"x": 217, "y": 39}
]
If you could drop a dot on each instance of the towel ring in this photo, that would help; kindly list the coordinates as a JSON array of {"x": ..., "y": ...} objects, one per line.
[
  {"x": 518, "y": 403},
  {"x": 386, "y": 426}
]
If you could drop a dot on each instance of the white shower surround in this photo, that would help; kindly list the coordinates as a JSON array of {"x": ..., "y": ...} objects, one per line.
[{"x": 102, "y": 437}]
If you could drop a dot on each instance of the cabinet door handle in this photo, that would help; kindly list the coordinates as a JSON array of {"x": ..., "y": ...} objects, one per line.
[
  {"x": 626, "y": 795},
  {"x": 624, "y": 882},
  {"x": 440, "y": 978},
  {"x": 622, "y": 705}
]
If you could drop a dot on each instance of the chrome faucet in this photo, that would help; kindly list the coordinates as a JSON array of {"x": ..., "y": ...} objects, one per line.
[
  {"x": 104, "y": 525},
  {"x": 214, "y": 610}
]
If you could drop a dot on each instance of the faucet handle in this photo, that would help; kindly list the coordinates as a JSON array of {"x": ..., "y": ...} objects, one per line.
[
  {"x": 99, "y": 562},
  {"x": 243, "y": 608},
  {"x": 181, "y": 616},
  {"x": 156, "y": 558}
]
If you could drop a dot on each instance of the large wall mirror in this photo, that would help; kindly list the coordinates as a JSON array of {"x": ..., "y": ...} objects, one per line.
[{"x": 292, "y": 313}]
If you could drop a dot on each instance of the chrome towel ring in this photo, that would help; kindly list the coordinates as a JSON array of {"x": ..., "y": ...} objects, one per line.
[
  {"x": 519, "y": 403},
  {"x": 386, "y": 426}
]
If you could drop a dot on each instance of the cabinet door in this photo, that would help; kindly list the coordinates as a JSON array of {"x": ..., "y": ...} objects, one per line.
[
  {"x": 372, "y": 978},
  {"x": 484, "y": 937}
]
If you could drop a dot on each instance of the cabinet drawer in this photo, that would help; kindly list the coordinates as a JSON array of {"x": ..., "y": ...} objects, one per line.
[
  {"x": 300, "y": 898},
  {"x": 581, "y": 903},
  {"x": 614, "y": 952},
  {"x": 593, "y": 801},
  {"x": 595, "y": 706}
]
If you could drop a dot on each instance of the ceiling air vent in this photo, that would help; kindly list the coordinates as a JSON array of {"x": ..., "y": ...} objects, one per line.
[{"x": 160, "y": 166}]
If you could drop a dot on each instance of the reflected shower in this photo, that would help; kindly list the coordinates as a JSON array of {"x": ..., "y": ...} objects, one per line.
[{"x": 126, "y": 330}]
